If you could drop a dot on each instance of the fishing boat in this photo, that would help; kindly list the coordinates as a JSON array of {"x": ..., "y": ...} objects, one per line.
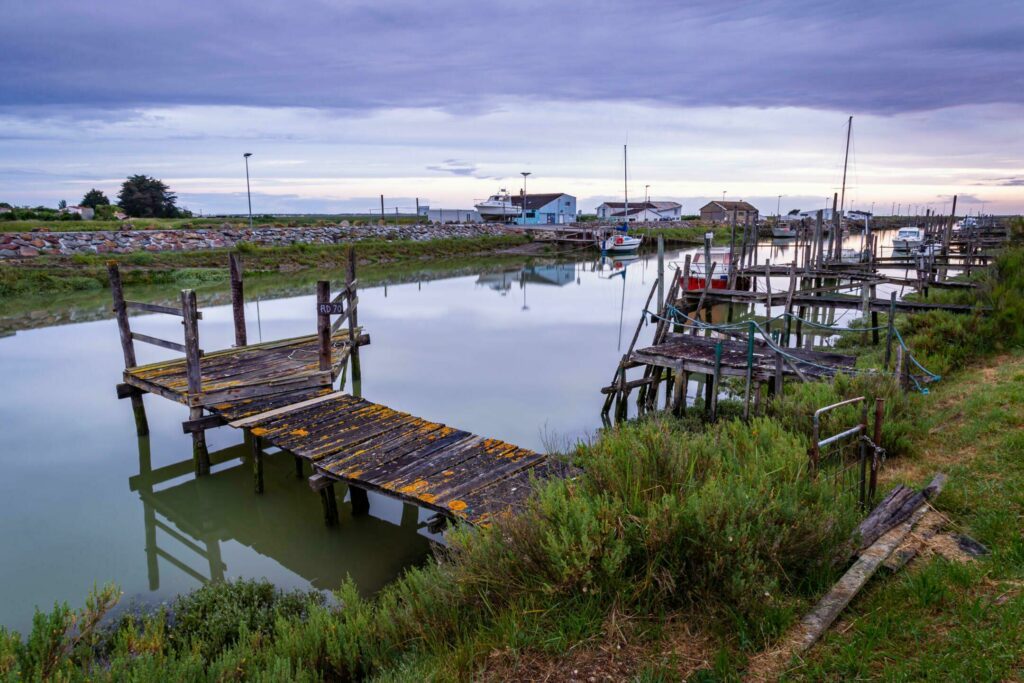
[
  {"x": 783, "y": 231},
  {"x": 621, "y": 241},
  {"x": 721, "y": 258},
  {"x": 908, "y": 238},
  {"x": 498, "y": 208}
]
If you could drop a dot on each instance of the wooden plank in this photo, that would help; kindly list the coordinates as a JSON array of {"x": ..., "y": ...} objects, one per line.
[
  {"x": 202, "y": 424},
  {"x": 323, "y": 324},
  {"x": 284, "y": 410},
  {"x": 192, "y": 353},
  {"x": 158, "y": 308},
  {"x": 155, "y": 341}
]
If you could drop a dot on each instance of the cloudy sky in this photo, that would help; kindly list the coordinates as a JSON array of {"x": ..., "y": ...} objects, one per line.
[{"x": 449, "y": 100}]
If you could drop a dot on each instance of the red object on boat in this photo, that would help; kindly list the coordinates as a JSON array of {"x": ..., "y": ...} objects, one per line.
[
  {"x": 698, "y": 283},
  {"x": 618, "y": 240}
]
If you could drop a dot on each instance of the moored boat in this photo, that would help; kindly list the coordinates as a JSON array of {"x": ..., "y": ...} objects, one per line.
[
  {"x": 908, "y": 238},
  {"x": 498, "y": 208},
  {"x": 721, "y": 258},
  {"x": 620, "y": 243}
]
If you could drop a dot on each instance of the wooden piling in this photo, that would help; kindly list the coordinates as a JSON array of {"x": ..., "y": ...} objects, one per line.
[
  {"x": 329, "y": 503},
  {"x": 360, "y": 501},
  {"x": 257, "y": 462},
  {"x": 715, "y": 378},
  {"x": 353, "y": 312},
  {"x": 237, "y": 298},
  {"x": 323, "y": 323},
  {"x": 874, "y": 318},
  {"x": 890, "y": 330},
  {"x": 190, "y": 313},
  {"x": 121, "y": 314}
]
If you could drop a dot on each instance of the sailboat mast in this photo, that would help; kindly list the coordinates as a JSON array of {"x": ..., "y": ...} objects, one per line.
[
  {"x": 846, "y": 158},
  {"x": 625, "y": 184}
]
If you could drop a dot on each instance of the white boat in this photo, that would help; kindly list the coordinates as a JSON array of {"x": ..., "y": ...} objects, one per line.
[
  {"x": 783, "y": 230},
  {"x": 617, "y": 244},
  {"x": 908, "y": 238},
  {"x": 848, "y": 255},
  {"x": 498, "y": 208}
]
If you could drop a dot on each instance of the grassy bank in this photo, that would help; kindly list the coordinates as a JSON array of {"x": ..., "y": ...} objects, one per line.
[{"x": 56, "y": 274}]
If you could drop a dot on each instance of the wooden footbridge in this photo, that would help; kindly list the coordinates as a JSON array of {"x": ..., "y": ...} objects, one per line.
[{"x": 282, "y": 395}]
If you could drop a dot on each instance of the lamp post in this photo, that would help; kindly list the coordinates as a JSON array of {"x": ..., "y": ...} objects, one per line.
[
  {"x": 778, "y": 209},
  {"x": 522, "y": 208},
  {"x": 248, "y": 192}
]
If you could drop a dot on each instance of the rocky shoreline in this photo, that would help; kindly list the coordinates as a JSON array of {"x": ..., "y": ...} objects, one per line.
[{"x": 26, "y": 245}]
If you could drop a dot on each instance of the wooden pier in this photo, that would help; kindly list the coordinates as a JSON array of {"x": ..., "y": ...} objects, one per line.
[{"x": 282, "y": 395}]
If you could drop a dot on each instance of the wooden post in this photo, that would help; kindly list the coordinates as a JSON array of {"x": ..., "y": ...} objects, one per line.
[
  {"x": 237, "y": 298},
  {"x": 193, "y": 370},
  {"x": 661, "y": 272},
  {"x": 768, "y": 297},
  {"x": 750, "y": 370},
  {"x": 299, "y": 474},
  {"x": 779, "y": 376},
  {"x": 715, "y": 380},
  {"x": 360, "y": 501},
  {"x": 141, "y": 423},
  {"x": 330, "y": 505},
  {"x": 257, "y": 461},
  {"x": 890, "y": 331},
  {"x": 121, "y": 314},
  {"x": 323, "y": 323},
  {"x": 353, "y": 312},
  {"x": 877, "y": 439},
  {"x": 865, "y": 312},
  {"x": 874, "y": 318},
  {"x": 837, "y": 228},
  {"x": 818, "y": 237}
]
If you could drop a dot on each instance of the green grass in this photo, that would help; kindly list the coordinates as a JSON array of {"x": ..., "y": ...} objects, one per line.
[
  {"x": 941, "y": 620},
  {"x": 57, "y": 274}
]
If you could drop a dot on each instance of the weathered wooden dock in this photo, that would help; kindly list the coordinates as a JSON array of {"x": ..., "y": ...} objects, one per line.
[{"x": 282, "y": 395}]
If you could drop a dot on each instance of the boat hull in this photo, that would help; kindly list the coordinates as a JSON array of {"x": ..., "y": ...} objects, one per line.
[{"x": 619, "y": 244}]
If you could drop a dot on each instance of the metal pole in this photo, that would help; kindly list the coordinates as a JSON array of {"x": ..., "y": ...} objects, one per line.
[{"x": 248, "y": 192}]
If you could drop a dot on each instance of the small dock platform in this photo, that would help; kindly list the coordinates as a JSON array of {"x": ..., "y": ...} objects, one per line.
[
  {"x": 277, "y": 367},
  {"x": 696, "y": 354}
]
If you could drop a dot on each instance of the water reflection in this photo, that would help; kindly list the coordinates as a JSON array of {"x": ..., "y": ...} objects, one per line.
[{"x": 187, "y": 520}]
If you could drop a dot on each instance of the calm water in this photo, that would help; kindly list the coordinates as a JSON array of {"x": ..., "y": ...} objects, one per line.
[{"x": 519, "y": 355}]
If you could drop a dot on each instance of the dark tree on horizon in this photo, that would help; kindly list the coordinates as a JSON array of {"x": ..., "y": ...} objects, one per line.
[
  {"x": 94, "y": 198},
  {"x": 145, "y": 197}
]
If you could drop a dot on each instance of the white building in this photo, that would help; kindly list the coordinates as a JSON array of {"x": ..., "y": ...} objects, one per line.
[
  {"x": 641, "y": 212},
  {"x": 86, "y": 212}
]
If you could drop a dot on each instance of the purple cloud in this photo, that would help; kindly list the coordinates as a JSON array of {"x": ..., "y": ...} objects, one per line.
[{"x": 873, "y": 56}]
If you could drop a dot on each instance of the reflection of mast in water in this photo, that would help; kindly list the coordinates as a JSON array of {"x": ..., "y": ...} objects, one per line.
[{"x": 622, "y": 308}]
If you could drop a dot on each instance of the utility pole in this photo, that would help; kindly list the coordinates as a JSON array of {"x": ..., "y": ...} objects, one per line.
[{"x": 382, "y": 208}]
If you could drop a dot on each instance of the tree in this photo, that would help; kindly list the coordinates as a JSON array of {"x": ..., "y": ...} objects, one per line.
[
  {"x": 94, "y": 198},
  {"x": 62, "y": 204},
  {"x": 145, "y": 197},
  {"x": 794, "y": 212}
]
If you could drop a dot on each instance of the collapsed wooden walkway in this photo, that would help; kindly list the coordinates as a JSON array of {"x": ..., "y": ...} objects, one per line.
[{"x": 282, "y": 395}]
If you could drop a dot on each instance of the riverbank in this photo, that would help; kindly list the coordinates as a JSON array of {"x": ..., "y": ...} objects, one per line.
[
  {"x": 83, "y": 272},
  {"x": 683, "y": 546}
]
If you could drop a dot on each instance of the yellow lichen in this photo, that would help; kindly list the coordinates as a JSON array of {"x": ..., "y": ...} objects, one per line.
[{"x": 457, "y": 505}]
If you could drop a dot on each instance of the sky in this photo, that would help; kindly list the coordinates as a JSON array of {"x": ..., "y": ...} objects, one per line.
[{"x": 449, "y": 101}]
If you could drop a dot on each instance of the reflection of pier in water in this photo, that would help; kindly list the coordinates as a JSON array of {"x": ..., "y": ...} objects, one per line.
[
  {"x": 200, "y": 513},
  {"x": 557, "y": 274}
]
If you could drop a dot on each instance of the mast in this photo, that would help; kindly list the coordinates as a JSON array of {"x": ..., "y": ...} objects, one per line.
[
  {"x": 625, "y": 185},
  {"x": 846, "y": 158}
]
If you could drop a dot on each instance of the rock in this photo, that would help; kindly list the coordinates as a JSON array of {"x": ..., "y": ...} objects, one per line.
[{"x": 28, "y": 251}]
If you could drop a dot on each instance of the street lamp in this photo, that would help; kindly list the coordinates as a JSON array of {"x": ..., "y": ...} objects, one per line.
[
  {"x": 778, "y": 208},
  {"x": 723, "y": 195},
  {"x": 248, "y": 192},
  {"x": 522, "y": 208}
]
